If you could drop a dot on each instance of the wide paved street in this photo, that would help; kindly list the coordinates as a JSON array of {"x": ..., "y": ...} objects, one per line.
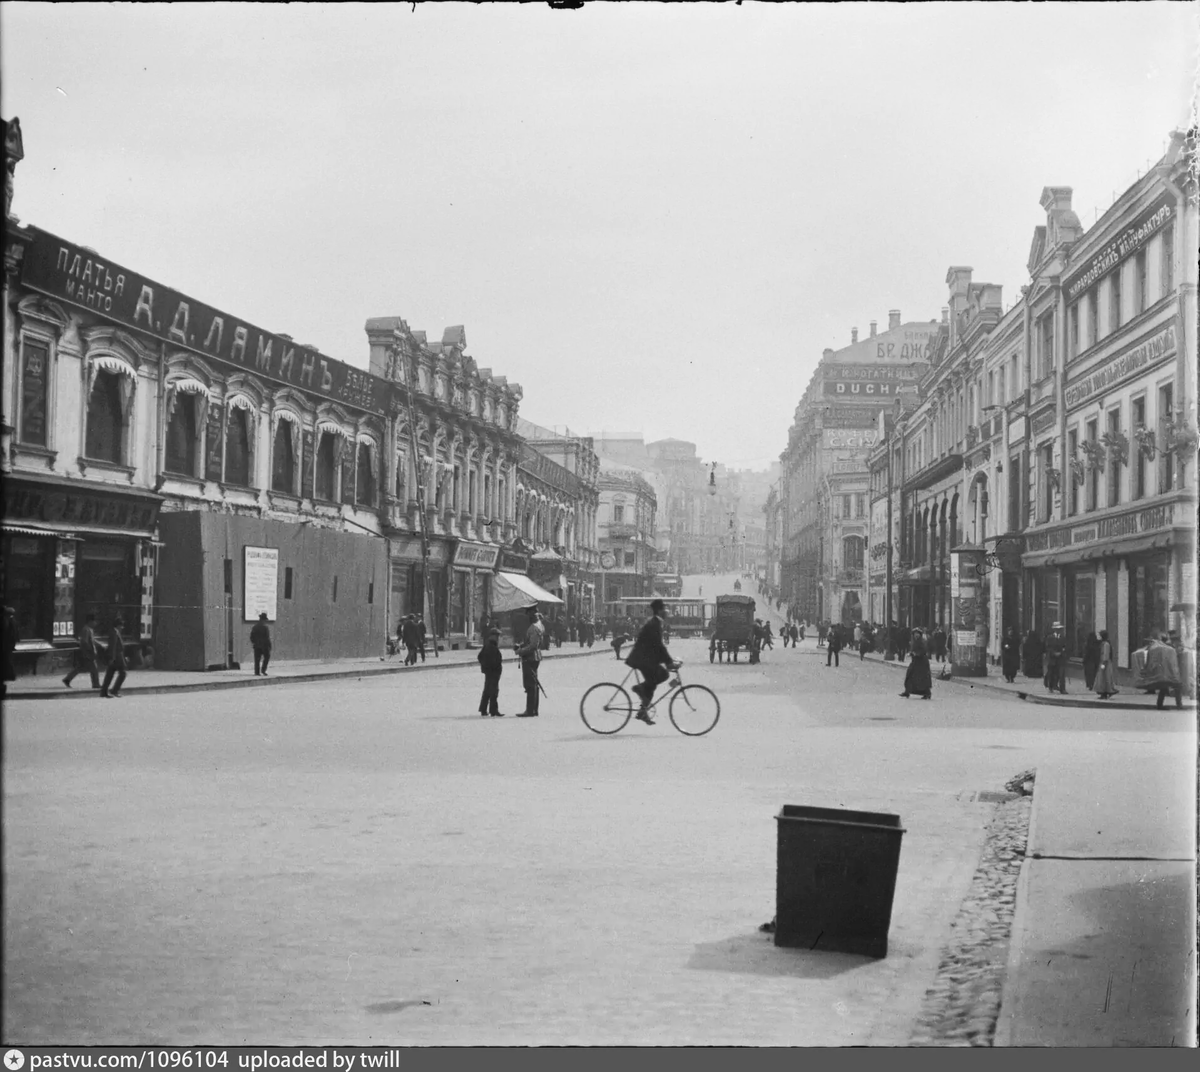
[{"x": 372, "y": 862}]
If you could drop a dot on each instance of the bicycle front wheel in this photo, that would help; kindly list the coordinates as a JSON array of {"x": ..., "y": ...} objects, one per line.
[
  {"x": 694, "y": 710},
  {"x": 605, "y": 708}
]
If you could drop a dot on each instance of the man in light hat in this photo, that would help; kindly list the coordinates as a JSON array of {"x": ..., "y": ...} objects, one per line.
[
  {"x": 1056, "y": 660},
  {"x": 530, "y": 652}
]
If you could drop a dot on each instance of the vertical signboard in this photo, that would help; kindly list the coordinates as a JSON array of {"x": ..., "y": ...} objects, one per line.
[
  {"x": 64, "y": 590},
  {"x": 968, "y": 626},
  {"x": 260, "y": 582}
]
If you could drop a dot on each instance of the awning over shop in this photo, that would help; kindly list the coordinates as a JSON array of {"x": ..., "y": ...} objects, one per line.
[
  {"x": 1110, "y": 549},
  {"x": 512, "y": 591}
]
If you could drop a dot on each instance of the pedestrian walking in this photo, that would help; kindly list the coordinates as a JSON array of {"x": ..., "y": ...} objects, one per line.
[
  {"x": 1032, "y": 654},
  {"x": 1105, "y": 682},
  {"x": 530, "y": 651},
  {"x": 116, "y": 660},
  {"x": 421, "y": 635},
  {"x": 1091, "y": 659},
  {"x": 834, "y": 643},
  {"x": 560, "y": 631},
  {"x": 1056, "y": 660},
  {"x": 1158, "y": 670},
  {"x": 260, "y": 641},
  {"x": 865, "y": 641},
  {"x": 491, "y": 665},
  {"x": 918, "y": 678},
  {"x": 85, "y": 656},
  {"x": 822, "y": 634},
  {"x": 803, "y": 629},
  {"x": 939, "y": 643},
  {"x": 1010, "y": 654},
  {"x": 8, "y": 645}
]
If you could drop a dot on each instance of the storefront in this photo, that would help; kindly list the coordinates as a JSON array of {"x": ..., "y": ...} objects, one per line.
[
  {"x": 471, "y": 587},
  {"x": 71, "y": 549},
  {"x": 407, "y": 577},
  {"x": 1122, "y": 571}
]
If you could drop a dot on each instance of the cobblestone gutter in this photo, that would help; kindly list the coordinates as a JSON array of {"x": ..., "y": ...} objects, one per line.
[{"x": 963, "y": 1005}]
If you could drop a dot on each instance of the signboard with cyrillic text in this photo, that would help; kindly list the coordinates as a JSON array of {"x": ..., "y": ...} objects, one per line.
[
  {"x": 81, "y": 277},
  {"x": 260, "y": 582}
]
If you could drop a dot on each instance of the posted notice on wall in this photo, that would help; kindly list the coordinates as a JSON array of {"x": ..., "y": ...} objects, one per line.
[{"x": 260, "y": 582}]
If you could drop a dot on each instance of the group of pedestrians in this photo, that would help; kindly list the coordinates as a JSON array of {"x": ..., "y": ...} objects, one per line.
[{"x": 528, "y": 650}]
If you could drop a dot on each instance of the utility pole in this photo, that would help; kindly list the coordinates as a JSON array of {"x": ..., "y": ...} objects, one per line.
[{"x": 890, "y": 654}]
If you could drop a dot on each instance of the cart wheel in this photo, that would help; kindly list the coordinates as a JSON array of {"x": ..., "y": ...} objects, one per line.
[
  {"x": 694, "y": 710},
  {"x": 605, "y": 708}
]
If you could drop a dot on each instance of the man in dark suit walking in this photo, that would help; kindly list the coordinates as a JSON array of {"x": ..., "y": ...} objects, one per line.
[
  {"x": 116, "y": 660},
  {"x": 260, "y": 641},
  {"x": 651, "y": 658}
]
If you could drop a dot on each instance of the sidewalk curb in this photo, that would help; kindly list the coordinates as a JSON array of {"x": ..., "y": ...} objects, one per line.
[
  {"x": 263, "y": 682},
  {"x": 1031, "y": 697},
  {"x": 1098, "y": 704},
  {"x": 1008, "y": 992}
]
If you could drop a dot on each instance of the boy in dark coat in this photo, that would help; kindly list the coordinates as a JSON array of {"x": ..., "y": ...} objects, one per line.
[
  {"x": 260, "y": 641},
  {"x": 491, "y": 665}
]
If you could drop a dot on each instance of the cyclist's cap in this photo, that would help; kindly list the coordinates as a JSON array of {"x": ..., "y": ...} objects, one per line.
[{"x": 657, "y": 604}]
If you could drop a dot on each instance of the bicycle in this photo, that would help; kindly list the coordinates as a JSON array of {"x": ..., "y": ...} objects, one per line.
[{"x": 693, "y": 709}]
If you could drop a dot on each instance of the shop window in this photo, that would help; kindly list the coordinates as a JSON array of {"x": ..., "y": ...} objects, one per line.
[
  {"x": 29, "y": 585},
  {"x": 1166, "y": 459},
  {"x": 105, "y": 438},
  {"x": 1148, "y": 607},
  {"x": 364, "y": 488},
  {"x": 1114, "y": 466},
  {"x": 326, "y": 468},
  {"x": 35, "y": 370},
  {"x": 107, "y": 583},
  {"x": 237, "y": 448},
  {"x": 283, "y": 460},
  {"x": 181, "y": 437},
  {"x": 630, "y": 558},
  {"x": 1138, "y": 458},
  {"x": 287, "y": 582}
]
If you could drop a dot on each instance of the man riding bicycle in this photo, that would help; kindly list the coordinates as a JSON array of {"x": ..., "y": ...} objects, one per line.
[{"x": 650, "y": 656}]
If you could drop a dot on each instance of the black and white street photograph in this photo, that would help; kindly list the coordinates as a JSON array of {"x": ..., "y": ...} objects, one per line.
[{"x": 594, "y": 524}]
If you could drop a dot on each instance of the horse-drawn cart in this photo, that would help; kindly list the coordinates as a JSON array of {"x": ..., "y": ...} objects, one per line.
[{"x": 732, "y": 628}]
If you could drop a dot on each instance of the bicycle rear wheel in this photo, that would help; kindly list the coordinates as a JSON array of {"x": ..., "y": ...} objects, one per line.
[
  {"x": 694, "y": 710},
  {"x": 605, "y": 708}
]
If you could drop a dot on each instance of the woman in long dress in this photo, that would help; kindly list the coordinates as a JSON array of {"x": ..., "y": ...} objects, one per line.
[
  {"x": 1010, "y": 654},
  {"x": 1106, "y": 678},
  {"x": 1091, "y": 659},
  {"x": 917, "y": 677}
]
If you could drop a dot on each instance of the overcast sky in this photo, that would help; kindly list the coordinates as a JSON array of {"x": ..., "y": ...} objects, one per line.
[{"x": 652, "y": 217}]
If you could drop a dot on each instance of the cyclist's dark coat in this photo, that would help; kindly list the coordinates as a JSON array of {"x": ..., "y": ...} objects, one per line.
[{"x": 649, "y": 649}]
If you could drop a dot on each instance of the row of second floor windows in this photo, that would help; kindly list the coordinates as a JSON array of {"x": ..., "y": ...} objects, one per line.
[
  {"x": 1112, "y": 458},
  {"x": 202, "y": 441}
]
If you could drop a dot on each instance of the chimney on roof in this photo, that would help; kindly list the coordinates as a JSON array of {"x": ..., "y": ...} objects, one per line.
[
  {"x": 893, "y": 319},
  {"x": 826, "y": 353},
  {"x": 853, "y": 335},
  {"x": 945, "y": 314},
  {"x": 872, "y": 329}
]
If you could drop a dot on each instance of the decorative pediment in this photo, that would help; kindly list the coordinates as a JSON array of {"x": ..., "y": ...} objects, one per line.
[
  {"x": 44, "y": 311},
  {"x": 292, "y": 398},
  {"x": 1037, "y": 249},
  {"x": 104, "y": 338},
  {"x": 250, "y": 386}
]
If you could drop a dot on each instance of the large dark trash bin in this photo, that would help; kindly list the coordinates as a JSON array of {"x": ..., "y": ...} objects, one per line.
[{"x": 835, "y": 879}]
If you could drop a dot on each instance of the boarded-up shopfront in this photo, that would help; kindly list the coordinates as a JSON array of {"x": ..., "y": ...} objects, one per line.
[{"x": 216, "y": 571}]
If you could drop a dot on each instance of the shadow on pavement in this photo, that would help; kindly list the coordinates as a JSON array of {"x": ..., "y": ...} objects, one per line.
[{"x": 757, "y": 954}]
